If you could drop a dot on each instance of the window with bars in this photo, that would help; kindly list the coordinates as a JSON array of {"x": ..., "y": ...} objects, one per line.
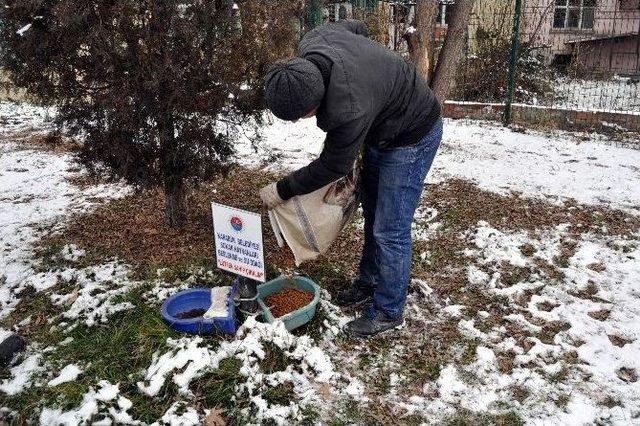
[
  {"x": 629, "y": 4},
  {"x": 443, "y": 16},
  {"x": 574, "y": 14}
]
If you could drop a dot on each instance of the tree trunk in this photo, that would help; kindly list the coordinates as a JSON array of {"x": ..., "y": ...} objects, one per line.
[
  {"x": 174, "y": 201},
  {"x": 452, "y": 52},
  {"x": 421, "y": 42},
  {"x": 174, "y": 191}
]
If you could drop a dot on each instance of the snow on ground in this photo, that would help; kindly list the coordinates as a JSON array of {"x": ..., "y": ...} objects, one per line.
[
  {"x": 189, "y": 359},
  {"x": 553, "y": 167},
  {"x": 22, "y": 117},
  {"x": 614, "y": 290},
  {"x": 91, "y": 403},
  {"x": 22, "y": 375},
  {"x": 597, "y": 305},
  {"x": 94, "y": 293},
  {"x": 34, "y": 191},
  {"x": 67, "y": 374},
  {"x": 616, "y": 94}
]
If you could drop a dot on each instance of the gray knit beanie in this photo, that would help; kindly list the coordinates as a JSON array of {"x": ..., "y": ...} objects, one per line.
[{"x": 293, "y": 88}]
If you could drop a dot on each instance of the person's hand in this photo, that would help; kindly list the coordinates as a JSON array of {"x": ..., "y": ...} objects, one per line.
[{"x": 270, "y": 197}]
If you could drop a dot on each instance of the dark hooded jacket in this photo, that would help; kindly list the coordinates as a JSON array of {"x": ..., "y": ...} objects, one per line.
[{"x": 372, "y": 96}]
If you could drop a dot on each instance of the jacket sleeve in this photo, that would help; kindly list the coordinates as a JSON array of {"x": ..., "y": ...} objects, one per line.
[
  {"x": 355, "y": 26},
  {"x": 341, "y": 149}
]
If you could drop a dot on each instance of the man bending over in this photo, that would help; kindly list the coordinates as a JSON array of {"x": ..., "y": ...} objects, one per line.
[{"x": 362, "y": 95}]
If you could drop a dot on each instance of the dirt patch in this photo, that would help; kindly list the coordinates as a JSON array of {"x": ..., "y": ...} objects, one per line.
[
  {"x": 589, "y": 292},
  {"x": 133, "y": 228},
  {"x": 461, "y": 204},
  {"x": 527, "y": 249},
  {"x": 597, "y": 267},
  {"x": 619, "y": 341},
  {"x": 626, "y": 374},
  {"x": 48, "y": 141},
  {"x": 288, "y": 300},
  {"x": 547, "y": 306},
  {"x": 550, "y": 329},
  {"x": 600, "y": 315}
]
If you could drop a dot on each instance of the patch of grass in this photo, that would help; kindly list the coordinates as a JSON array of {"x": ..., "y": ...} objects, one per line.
[
  {"x": 508, "y": 419},
  {"x": 591, "y": 289},
  {"x": 567, "y": 250},
  {"x": 469, "y": 352},
  {"x": 597, "y": 266},
  {"x": 547, "y": 306},
  {"x": 619, "y": 341},
  {"x": 315, "y": 327},
  {"x": 627, "y": 374},
  {"x": 562, "y": 400},
  {"x": 461, "y": 204},
  {"x": 552, "y": 272},
  {"x": 375, "y": 353},
  {"x": 601, "y": 315},
  {"x": 512, "y": 275},
  {"x": 560, "y": 376},
  {"x": 49, "y": 258},
  {"x": 350, "y": 412},
  {"x": 488, "y": 323},
  {"x": 551, "y": 329},
  {"x": 38, "y": 307},
  {"x": 333, "y": 278},
  {"x": 274, "y": 359},
  {"x": 29, "y": 403},
  {"x": 429, "y": 370},
  {"x": 347, "y": 414},
  {"x": 310, "y": 416},
  {"x": 527, "y": 249},
  {"x": 469, "y": 377},
  {"x": 66, "y": 395},
  {"x": 454, "y": 217},
  {"x": 121, "y": 347},
  {"x": 280, "y": 395},
  {"x": 149, "y": 409},
  {"x": 610, "y": 401},
  {"x": 520, "y": 393},
  {"x": 572, "y": 357},
  {"x": 382, "y": 382},
  {"x": 118, "y": 352},
  {"x": 505, "y": 361},
  {"x": 467, "y": 418},
  {"x": 216, "y": 388}
]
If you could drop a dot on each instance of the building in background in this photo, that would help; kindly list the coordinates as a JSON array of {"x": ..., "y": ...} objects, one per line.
[{"x": 595, "y": 36}]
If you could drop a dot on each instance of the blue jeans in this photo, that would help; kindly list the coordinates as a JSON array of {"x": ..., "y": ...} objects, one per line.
[{"x": 392, "y": 182}]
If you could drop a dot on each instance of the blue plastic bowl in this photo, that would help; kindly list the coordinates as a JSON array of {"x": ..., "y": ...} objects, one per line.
[{"x": 198, "y": 298}]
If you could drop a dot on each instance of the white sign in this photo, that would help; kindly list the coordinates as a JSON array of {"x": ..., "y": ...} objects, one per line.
[{"x": 238, "y": 236}]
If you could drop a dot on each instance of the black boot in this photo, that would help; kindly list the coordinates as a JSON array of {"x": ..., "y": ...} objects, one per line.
[
  {"x": 371, "y": 323},
  {"x": 359, "y": 294}
]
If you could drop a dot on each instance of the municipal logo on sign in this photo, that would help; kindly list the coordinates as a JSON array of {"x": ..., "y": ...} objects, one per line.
[{"x": 236, "y": 223}]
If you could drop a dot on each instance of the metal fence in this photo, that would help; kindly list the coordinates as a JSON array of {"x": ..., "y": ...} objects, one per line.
[{"x": 577, "y": 62}]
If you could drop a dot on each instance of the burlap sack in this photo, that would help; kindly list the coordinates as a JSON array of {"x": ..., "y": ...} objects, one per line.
[{"x": 310, "y": 223}]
